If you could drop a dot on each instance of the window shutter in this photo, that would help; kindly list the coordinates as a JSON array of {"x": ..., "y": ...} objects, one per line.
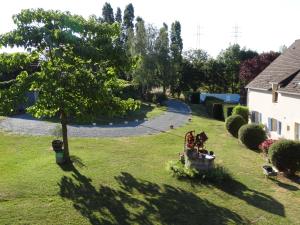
[
  {"x": 260, "y": 118},
  {"x": 279, "y": 127},
  {"x": 269, "y": 124},
  {"x": 253, "y": 117}
]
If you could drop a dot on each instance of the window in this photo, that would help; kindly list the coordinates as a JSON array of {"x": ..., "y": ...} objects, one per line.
[
  {"x": 297, "y": 131},
  {"x": 256, "y": 117},
  {"x": 274, "y": 125}
]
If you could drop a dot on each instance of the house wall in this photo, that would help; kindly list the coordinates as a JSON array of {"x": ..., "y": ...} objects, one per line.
[{"x": 286, "y": 110}]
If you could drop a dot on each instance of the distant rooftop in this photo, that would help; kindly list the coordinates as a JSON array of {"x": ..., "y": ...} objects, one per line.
[{"x": 284, "y": 70}]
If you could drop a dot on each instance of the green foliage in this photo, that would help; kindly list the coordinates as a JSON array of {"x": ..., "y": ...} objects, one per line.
[
  {"x": 128, "y": 17},
  {"x": 13, "y": 64},
  {"x": 108, "y": 13},
  {"x": 78, "y": 73},
  {"x": 194, "y": 97},
  {"x": 217, "y": 111},
  {"x": 159, "y": 97},
  {"x": 252, "y": 135},
  {"x": 214, "y": 81},
  {"x": 118, "y": 16},
  {"x": 131, "y": 91},
  {"x": 231, "y": 59},
  {"x": 216, "y": 175},
  {"x": 176, "y": 46},
  {"x": 243, "y": 111},
  {"x": 227, "y": 110},
  {"x": 285, "y": 156},
  {"x": 233, "y": 123},
  {"x": 209, "y": 102},
  {"x": 162, "y": 55}
]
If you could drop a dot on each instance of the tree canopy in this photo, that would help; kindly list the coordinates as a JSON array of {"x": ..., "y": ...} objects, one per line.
[{"x": 79, "y": 61}]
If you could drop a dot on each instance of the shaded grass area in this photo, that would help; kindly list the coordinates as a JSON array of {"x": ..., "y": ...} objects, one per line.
[
  {"x": 146, "y": 111},
  {"x": 124, "y": 181}
]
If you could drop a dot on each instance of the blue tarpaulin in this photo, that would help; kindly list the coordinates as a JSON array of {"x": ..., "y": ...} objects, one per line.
[{"x": 230, "y": 98}]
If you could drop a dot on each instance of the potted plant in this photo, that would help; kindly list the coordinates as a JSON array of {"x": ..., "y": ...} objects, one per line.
[{"x": 57, "y": 144}]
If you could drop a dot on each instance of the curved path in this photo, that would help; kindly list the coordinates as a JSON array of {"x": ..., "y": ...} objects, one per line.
[{"x": 177, "y": 114}]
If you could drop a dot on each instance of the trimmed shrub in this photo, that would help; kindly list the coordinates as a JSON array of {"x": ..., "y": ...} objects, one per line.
[
  {"x": 285, "y": 156},
  {"x": 195, "y": 97},
  {"x": 233, "y": 124},
  {"x": 242, "y": 111},
  {"x": 252, "y": 135},
  {"x": 209, "y": 102},
  {"x": 227, "y": 110},
  {"x": 217, "y": 111}
]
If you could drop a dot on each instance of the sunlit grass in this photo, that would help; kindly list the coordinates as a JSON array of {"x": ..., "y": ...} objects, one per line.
[{"x": 124, "y": 181}]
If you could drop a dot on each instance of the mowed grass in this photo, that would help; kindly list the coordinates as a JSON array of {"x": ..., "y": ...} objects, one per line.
[
  {"x": 124, "y": 181},
  {"x": 146, "y": 110}
]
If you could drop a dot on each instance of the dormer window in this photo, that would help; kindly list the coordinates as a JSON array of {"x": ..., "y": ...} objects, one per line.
[{"x": 274, "y": 92}]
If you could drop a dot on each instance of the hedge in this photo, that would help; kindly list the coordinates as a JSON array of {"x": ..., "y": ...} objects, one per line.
[
  {"x": 242, "y": 111},
  {"x": 233, "y": 124},
  {"x": 217, "y": 111},
  {"x": 194, "y": 97},
  {"x": 227, "y": 110},
  {"x": 209, "y": 102},
  {"x": 285, "y": 155},
  {"x": 252, "y": 135}
]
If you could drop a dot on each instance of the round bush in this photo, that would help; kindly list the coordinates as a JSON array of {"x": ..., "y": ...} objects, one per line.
[
  {"x": 233, "y": 124},
  {"x": 243, "y": 111},
  {"x": 251, "y": 135},
  {"x": 285, "y": 155}
]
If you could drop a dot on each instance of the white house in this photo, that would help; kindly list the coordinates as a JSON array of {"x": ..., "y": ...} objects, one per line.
[{"x": 273, "y": 97}]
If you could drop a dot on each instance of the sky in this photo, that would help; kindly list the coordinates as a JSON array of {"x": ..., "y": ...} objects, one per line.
[{"x": 263, "y": 25}]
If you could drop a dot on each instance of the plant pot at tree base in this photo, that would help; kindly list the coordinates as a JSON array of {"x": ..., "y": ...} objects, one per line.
[{"x": 57, "y": 145}]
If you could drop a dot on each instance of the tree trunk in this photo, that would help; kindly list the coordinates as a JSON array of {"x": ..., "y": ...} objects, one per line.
[{"x": 63, "y": 119}]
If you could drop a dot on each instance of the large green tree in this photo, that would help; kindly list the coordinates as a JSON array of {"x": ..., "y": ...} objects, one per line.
[
  {"x": 144, "y": 73},
  {"x": 232, "y": 57},
  {"x": 193, "y": 72},
  {"x": 79, "y": 62},
  {"x": 108, "y": 13}
]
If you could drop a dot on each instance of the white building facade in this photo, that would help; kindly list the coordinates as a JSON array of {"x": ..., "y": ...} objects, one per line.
[
  {"x": 281, "y": 118},
  {"x": 273, "y": 97}
]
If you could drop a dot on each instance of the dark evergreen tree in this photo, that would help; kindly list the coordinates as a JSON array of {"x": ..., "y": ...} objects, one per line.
[
  {"x": 176, "y": 56},
  {"x": 128, "y": 17},
  {"x": 118, "y": 16},
  {"x": 108, "y": 13}
]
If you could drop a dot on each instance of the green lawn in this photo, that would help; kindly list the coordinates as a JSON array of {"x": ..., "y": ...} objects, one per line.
[{"x": 124, "y": 181}]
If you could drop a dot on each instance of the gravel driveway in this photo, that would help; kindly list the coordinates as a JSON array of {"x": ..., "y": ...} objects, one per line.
[{"x": 177, "y": 114}]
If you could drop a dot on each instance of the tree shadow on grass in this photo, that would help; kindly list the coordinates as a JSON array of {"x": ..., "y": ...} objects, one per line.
[
  {"x": 285, "y": 185},
  {"x": 252, "y": 197},
  {"x": 142, "y": 202}
]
